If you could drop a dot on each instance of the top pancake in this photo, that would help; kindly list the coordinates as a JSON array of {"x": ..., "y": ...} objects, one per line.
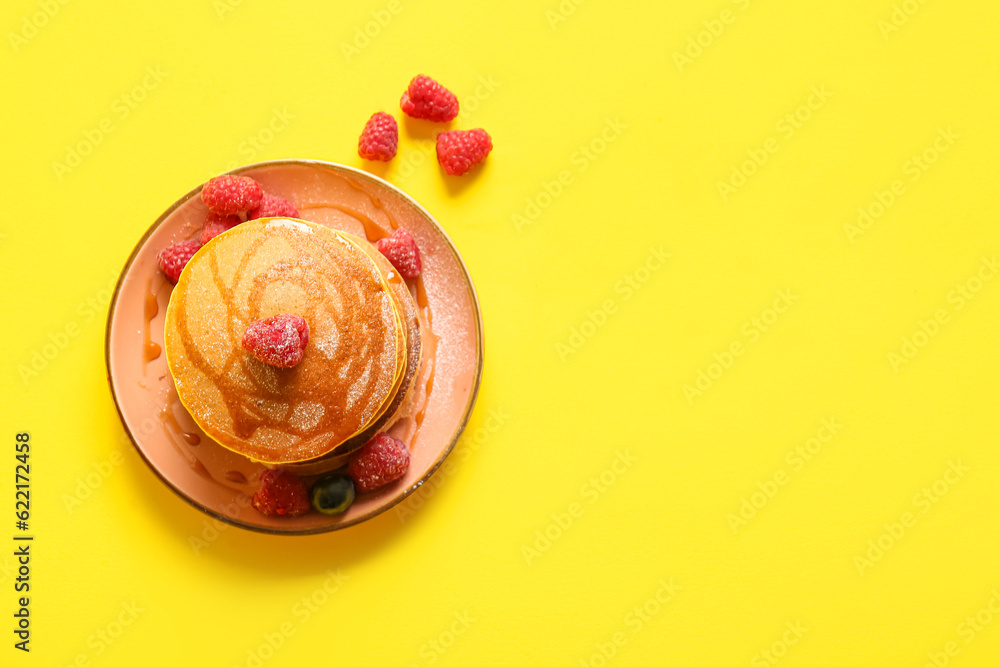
[
  {"x": 408, "y": 310},
  {"x": 354, "y": 362}
]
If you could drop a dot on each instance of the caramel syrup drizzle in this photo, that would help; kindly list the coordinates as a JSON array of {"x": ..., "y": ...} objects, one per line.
[
  {"x": 236, "y": 476},
  {"x": 151, "y": 350},
  {"x": 244, "y": 403},
  {"x": 372, "y": 229},
  {"x": 173, "y": 427},
  {"x": 374, "y": 232}
]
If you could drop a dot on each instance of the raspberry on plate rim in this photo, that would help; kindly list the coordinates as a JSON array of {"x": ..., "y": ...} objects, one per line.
[
  {"x": 382, "y": 460},
  {"x": 281, "y": 494},
  {"x": 174, "y": 258},
  {"x": 228, "y": 194},
  {"x": 402, "y": 252}
]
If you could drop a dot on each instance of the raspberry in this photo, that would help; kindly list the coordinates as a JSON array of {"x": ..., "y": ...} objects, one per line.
[
  {"x": 383, "y": 459},
  {"x": 426, "y": 98},
  {"x": 279, "y": 341},
  {"x": 215, "y": 224},
  {"x": 379, "y": 139},
  {"x": 281, "y": 494},
  {"x": 231, "y": 194},
  {"x": 274, "y": 207},
  {"x": 402, "y": 252},
  {"x": 460, "y": 150},
  {"x": 173, "y": 259}
]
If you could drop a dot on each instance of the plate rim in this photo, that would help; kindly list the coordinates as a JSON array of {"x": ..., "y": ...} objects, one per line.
[{"x": 466, "y": 413}]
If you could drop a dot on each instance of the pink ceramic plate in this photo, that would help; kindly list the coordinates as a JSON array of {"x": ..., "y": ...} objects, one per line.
[{"x": 220, "y": 482}]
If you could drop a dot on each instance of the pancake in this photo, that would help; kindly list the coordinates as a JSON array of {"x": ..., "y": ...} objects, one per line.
[
  {"x": 408, "y": 310},
  {"x": 354, "y": 366},
  {"x": 401, "y": 333}
]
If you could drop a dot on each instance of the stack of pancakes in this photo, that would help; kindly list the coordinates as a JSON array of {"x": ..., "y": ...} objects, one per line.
[{"x": 363, "y": 350}]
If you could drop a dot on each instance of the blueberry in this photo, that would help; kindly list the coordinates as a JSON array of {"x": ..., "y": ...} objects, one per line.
[{"x": 332, "y": 494}]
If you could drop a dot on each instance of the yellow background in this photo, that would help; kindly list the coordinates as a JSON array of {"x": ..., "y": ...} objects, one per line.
[{"x": 610, "y": 143}]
